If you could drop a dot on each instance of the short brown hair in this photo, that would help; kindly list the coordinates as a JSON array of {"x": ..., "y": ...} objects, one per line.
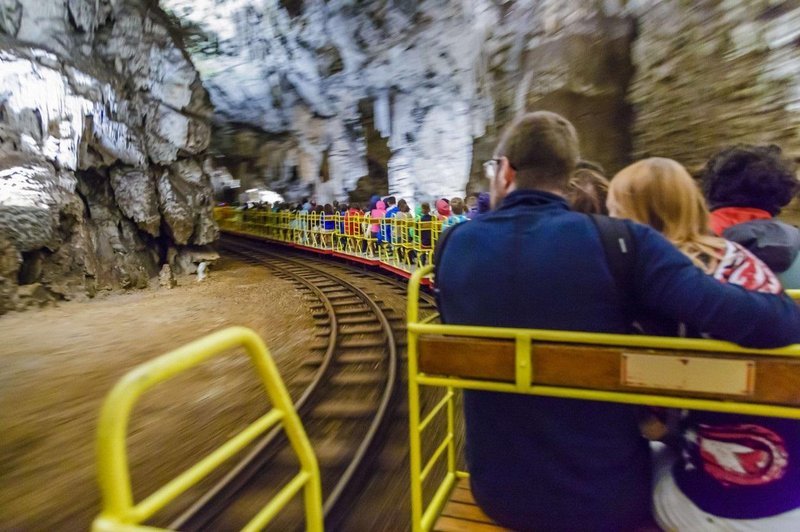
[
  {"x": 587, "y": 191},
  {"x": 543, "y": 149}
]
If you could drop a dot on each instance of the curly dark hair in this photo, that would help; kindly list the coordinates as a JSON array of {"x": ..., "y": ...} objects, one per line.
[{"x": 750, "y": 176}]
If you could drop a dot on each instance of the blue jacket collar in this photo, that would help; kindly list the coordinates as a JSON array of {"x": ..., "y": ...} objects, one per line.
[{"x": 533, "y": 198}]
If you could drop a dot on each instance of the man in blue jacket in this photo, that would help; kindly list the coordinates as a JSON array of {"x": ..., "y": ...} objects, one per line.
[{"x": 540, "y": 463}]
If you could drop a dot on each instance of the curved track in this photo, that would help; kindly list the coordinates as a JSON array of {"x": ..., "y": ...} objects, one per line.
[{"x": 346, "y": 407}]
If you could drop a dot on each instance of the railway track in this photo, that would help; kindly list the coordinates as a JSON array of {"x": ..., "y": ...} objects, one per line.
[{"x": 347, "y": 406}]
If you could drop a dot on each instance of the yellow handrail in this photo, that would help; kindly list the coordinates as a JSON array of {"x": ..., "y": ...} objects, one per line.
[
  {"x": 402, "y": 243},
  {"x": 399, "y": 245},
  {"x": 119, "y": 511}
]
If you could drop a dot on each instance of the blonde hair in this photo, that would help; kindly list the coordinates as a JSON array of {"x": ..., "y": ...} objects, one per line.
[{"x": 660, "y": 193}]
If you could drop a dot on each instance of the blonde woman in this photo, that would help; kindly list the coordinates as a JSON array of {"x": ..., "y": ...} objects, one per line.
[
  {"x": 734, "y": 472},
  {"x": 660, "y": 193}
]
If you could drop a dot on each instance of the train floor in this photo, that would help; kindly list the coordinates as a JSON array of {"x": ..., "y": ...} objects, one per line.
[{"x": 58, "y": 363}]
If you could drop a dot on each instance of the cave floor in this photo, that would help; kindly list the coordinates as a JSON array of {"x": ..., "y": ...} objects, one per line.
[{"x": 58, "y": 363}]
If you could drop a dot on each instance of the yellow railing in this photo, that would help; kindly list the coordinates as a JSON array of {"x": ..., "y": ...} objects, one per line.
[
  {"x": 404, "y": 243},
  {"x": 424, "y": 516},
  {"x": 120, "y": 513}
]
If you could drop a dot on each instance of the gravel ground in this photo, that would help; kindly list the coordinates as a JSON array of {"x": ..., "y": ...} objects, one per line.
[{"x": 58, "y": 363}]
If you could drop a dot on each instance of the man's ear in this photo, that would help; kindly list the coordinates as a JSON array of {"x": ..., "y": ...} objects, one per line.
[{"x": 509, "y": 176}]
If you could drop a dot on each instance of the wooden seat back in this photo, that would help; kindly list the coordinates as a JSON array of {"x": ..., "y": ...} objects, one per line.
[{"x": 745, "y": 377}]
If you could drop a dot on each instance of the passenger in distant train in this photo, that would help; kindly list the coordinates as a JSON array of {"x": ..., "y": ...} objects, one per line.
[
  {"x": 377, "y": 213},
  {"x": 340, "y": 227},
  {"x": 404, "y": 211},
  {"x": 457, "y": 212},
  {"x": 426, "y": 221},
  {"x": 471, "y": 206},
  {"x": 746, "y": 187},
  {"x": 391, "y": 212},
  {"x": 443, "y": 209},
  {"x": 373, "y": 201},
  {"x": 327, "y": 223},
  {"x": 544, "y": 463},
  {"x": 587, "y": 191},
  {"x": 734, "y": 472},
  {"x": 484, "y": 203},
  {"x": 328, "y": 219}
]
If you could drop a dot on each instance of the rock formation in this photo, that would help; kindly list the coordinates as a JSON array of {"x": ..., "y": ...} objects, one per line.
[
  {"x": 104, "y": 125},
  {"x": 410, "y": 95},
  {"x": 404, "y": 95},
  {"x": 718, "y": 73}
]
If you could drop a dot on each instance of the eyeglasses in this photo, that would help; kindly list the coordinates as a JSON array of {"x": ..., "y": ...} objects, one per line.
[{"x": 492, "y": 167}]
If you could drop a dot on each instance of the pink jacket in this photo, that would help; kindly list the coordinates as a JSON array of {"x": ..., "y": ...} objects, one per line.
[{"x": 378, "y": 212}]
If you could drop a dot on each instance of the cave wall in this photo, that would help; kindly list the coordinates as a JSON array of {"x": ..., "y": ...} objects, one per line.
[
  {"x": 711, "y": 72},
  {"x": 641, "y": 77},
  {"x": 307, "y": 72},
  {"x": 428, "y": 83},
  {"x": 104, "y": 127}
]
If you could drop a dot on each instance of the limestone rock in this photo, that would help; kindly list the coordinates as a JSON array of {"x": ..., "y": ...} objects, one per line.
[
  {"x": 166, "y": 279},
  {"x": 10, "y": 262},
  {"x": 402, "y": 98},
  {"x": 85, "y": 117},
  {"x": 186, "y": 204},
  {"x": 10, "y": 16},
  {"x": 135, "y": 193},
  {"x": 186, "y": 259},
  {"x": 32, "y": 295},
  {"x": 29, "y": 196},
  {"x": 174, "y": 196},
  {"x": 714, "y": 75}
]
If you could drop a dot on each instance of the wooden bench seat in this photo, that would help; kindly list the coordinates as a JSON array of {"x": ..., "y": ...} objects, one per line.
[{"x": 461, "y": 514}]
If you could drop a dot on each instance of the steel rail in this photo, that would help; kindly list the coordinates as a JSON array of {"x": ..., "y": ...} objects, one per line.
[
  {"x": 214, "y": 502},
  {"x": 211, "y": 503}
]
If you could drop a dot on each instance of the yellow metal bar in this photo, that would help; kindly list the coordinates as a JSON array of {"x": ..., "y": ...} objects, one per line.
[
  {"x": 435, "y": 456},
  {"x": 451, "y": 430},
  {"x": 119, "y": 512},
  {"x": 414, "y": 444},
  {"x": 733, "y": 407},
  {"x": 522, "y": 361},
  {"x": 430, "y": 318},
  {"x": 163, "y": 496},
  {"x": 794, "y": 294},
  {"x": 618, "y": 340},
  {"x": 440, "y": 497},
  {"x": 435, "y": 410},
  {"x": 277, "y": 503}
]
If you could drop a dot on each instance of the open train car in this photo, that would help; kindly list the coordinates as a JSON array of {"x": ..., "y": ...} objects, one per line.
[
  {"x": 397, "y": 245},
  {"x": 695, "y": 374}
]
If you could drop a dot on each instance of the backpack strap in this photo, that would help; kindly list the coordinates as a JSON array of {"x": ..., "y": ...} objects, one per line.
[{"x": 620, "y": 250}]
